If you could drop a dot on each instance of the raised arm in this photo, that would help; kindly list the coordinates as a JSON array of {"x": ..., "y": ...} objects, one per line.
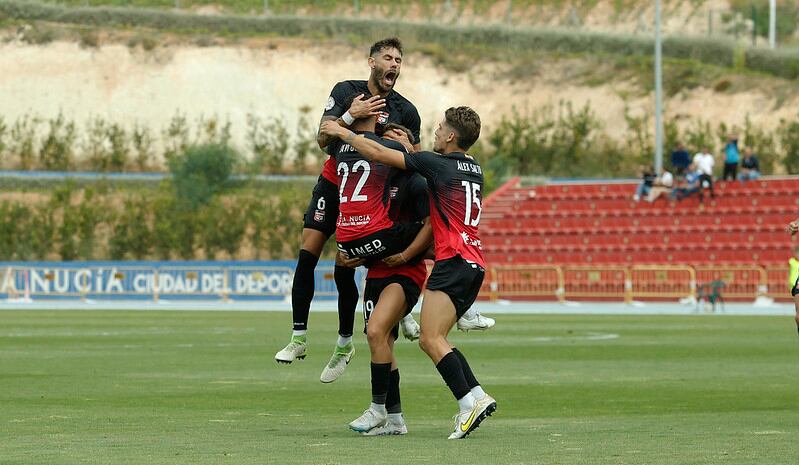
[{"x": 368, "y": 148}]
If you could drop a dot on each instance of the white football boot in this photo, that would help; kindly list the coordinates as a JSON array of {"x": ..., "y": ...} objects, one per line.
[
  {"x": 370, "y": 419},
  {"x": 338, "y": 363},
  {"x": 294, "y": 350},
  {"x": 410, "y": 328}
]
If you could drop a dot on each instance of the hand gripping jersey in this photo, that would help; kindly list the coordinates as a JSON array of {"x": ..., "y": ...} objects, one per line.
[
  {"x": 455, "y": 182},
  {"x": 397, "y": 110},
  {"x": 409, "y": 203},
  {"x": 363, "y": 191}
]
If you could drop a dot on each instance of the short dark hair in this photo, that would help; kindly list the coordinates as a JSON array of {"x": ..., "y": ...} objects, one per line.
[
  {"x": 347, "y": 102},
  {"x": 466, "y": 123},
  {"x": 402, "y": 128},
  {"x": 391, "y": 42}
]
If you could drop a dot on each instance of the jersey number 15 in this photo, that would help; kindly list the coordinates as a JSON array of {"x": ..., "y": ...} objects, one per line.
[{"x": 472, "y": 197}]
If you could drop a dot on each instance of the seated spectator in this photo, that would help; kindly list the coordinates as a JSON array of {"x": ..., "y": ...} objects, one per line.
[
  {"x": 647, "y": 179},
  {"x": 750, "y": 167},
  {"x": 704, "y": 162},
  {"x": 688, "y": 186},
  {"x": 663, "y": 185},
  {"x": 680, "y": 159}
]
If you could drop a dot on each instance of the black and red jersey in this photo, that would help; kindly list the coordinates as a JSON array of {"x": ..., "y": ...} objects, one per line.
[
  {"x": 398, "y": 110},
  {"x": 455, "y": 184},
  {"x": 409, "y": 203},
  {"x": 363, "y": 188}
]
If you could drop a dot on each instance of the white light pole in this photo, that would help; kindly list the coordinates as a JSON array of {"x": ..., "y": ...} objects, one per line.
[
  {"x": 772, "y": 23},
  {"x": 658, "y": 93}
]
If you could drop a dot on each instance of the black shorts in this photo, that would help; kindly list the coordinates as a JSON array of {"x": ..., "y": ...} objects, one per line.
[
  {"x": 375, "y": 287},
  {"x": 459, "y": 279},
  {"x": 795, "y": 289},
  {"x": 322, "y": 212},
  {"x": 383, "y": 243}
]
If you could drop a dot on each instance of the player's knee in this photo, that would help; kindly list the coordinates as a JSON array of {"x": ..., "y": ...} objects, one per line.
[
  {"x": 375, "y": 335},
  {"x": 426, "y": 343}
]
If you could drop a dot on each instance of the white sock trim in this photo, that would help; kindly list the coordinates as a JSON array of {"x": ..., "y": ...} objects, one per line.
[{"x": 342, "y": 341}]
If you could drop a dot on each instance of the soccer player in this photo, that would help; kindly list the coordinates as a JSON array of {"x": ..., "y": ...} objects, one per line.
[
  {"x": 793, "y": 228},
  {"x": 385, "y": 62},
  {"x": 455, "y": 182},
  {"x": 364, "y": 229},
  {"x": 392, "y": 289}
]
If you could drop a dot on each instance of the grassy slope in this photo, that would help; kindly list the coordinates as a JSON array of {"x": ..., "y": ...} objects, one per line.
[{"x": 201, "y": 387}]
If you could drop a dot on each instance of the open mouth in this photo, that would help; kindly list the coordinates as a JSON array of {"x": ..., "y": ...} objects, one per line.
[{"x": 389, "y": 78}]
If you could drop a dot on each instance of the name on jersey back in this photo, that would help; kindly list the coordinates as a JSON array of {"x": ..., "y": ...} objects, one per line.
[{"x": 469, "y": 167}]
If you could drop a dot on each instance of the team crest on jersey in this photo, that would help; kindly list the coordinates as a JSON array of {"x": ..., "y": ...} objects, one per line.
[
  {"x": 331, "y": 102},
  {"x": 319, "y": 216},
  {"x": 393, "y": 192},
  {"x": 382, "y": 118}
]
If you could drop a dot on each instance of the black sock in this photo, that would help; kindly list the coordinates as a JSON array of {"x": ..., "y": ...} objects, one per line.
[
  {"x": 381, "y": 375},
  {"x": 450, "y": 369},
  {"x": 302, "y": 289},
  {"x": 393, "y": 404},
  {"x": 471, "y": 381},
  {"x": 347, "y": 299}
]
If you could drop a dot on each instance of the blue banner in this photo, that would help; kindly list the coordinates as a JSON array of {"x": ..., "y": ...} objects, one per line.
[{"x": 150, "y": 280}]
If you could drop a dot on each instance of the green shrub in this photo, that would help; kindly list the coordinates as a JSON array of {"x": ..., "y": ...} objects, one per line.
[
  {"x": 201, "y": 172},
  {"x": 788, "y": 133},
  {"x": 22, "y": 139},
  {"x": 131, "y": 236},
  {"x": 57, "y": 148}
]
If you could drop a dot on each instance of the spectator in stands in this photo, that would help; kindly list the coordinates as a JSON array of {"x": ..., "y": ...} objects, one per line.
[
  {"x": 688, "y": 185},
  {"x": 680, "y": 159},
  {"x": 731, "y": 157},
  {"x": 750, "y": 167},
  {"x": 663, "y": 185},
  {"x": 704, "y": 162},
  {"x": 647, "y": 179}
]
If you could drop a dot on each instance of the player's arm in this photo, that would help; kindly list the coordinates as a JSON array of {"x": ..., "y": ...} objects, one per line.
[
  {"x": 419, "y": 245},
  {"x": 358, "y": 109},
  {"x": 366, "y": 147}
]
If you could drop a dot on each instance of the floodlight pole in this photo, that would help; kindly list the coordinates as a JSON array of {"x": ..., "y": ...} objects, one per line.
[
  {"x": 658, "y": 93},
  {"x": 772, "y": 24}
]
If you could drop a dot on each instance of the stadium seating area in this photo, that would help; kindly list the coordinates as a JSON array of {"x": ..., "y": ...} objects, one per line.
[{"x": 599, "y": 223}]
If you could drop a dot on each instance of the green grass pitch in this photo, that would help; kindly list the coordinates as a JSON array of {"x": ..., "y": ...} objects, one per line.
[{"x": 157, "y": 387}]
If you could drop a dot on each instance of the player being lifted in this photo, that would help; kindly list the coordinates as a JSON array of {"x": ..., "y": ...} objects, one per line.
[
  {"x": 455, "y": 182},
  {"x": 385, "y": 63},
  {"x": 392, "y": 289}
]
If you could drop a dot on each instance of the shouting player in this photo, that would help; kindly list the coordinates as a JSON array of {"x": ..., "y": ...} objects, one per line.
[
  {"x": 385, "y": 63},
  {"x": 455, "y": 182}
]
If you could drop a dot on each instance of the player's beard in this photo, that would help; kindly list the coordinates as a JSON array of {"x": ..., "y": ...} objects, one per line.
[{"x": 385, "y": 79}]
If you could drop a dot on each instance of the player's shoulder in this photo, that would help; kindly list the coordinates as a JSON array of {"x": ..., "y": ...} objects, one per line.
[
  {"x": 400, "y": 100},
  {"x": 351, "y": 86}
]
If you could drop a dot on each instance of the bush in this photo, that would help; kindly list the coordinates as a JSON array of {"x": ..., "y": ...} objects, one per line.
[
  {"x": 131, "y": 236},
  {"x": 788, "y": 133},
  {"x": 201, "y": 172}
]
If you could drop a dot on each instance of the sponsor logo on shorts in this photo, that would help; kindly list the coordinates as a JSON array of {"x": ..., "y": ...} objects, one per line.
[
  {"x": 331, "y": 102},
  {"x": 382, "y": 118},
  {"x": 319, "y": 216},
  {"x": 393, "y": 192}
]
